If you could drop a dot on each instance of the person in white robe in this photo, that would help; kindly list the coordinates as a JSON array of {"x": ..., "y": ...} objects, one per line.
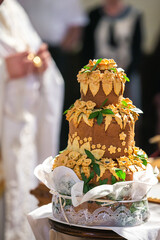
[
  {"x": 60, "y": 24},
  {"x": 31, "y": 99}
]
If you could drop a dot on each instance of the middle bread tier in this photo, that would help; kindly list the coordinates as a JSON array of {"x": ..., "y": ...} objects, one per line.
[
  {"x": 113, "y": 138},
  {"x": 113, "y": 143}
]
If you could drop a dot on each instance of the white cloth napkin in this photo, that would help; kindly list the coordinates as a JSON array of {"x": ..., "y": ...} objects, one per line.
[
  {"x": 38, "y": 220},
  {"x": 150, "y": 230}
]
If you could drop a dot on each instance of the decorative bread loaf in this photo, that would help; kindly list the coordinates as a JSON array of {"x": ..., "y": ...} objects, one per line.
[{"x": 101, "y": 147}]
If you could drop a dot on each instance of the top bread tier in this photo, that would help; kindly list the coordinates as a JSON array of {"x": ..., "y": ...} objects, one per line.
[{"x": 101, "y": 79}]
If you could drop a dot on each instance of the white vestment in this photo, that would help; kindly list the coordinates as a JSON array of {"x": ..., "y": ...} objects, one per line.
[{"x": 30, "y": 119}]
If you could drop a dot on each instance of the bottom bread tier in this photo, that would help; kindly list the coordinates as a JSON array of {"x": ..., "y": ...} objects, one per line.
[
  {"x": 100, "y": 212},
  {"x": 81, "y": 196}
]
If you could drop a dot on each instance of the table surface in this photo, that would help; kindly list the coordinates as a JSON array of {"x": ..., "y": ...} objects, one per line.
[{"x": 84, "y": 232}]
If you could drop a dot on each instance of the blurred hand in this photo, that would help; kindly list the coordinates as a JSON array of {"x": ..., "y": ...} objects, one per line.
[
  {"x": 18, "y": 65},
  {"x": 45, "y": 57}
]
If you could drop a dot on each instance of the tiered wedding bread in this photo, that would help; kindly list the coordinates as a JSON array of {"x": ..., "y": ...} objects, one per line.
[{"x": 101, "y": 147}]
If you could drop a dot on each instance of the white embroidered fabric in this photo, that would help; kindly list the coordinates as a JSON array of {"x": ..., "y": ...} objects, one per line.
[
  {"x": 30, "y": 108},
  {"x": 19, "y": 183},
  {"x": 16, "y": 225},
  {"x": 118, "y": 214}
]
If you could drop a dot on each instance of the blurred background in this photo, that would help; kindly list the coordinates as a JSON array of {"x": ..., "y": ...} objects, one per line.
[{"x": 151, "y": 19}]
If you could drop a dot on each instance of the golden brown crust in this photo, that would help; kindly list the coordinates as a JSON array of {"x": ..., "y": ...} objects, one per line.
[
  {"x": 113, "y": 145},
  {"x": 100, "y": 97}
]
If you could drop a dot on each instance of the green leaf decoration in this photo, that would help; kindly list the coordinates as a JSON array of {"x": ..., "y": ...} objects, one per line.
[
  {"x": 104, "y": 102},
  {"x": 124, "y": 103},
  {"x": 86, "y": 71},
  {"x": 136, "y": 110},
  {"x": 113, "y": 179},
  {"x": 144, "y": 162},
  {"x": 107, "y": 111},
  {"x": 90, "y": 155},
  {"x": 87, "y": 187},
  {"x": 90, "y": 177},
  {"x": 62, "y": 150},
  {"x": 99, "y": 113},
  {"x": 93, "y": 115},
  {"x": 96, "y": 168},
  {"x": 141, "y": 154},
  {"x": 100, "y": 118},
  {"x": 86, "y": 67},
  {"x": 104, "y": 181},
  {"x": 65, "y": 112},
  {"x": 83, "y": 177},
  {"x": 126, "y": 78},
  {"x": 143, "y": 157},
  {"x": 98, "y": 61},
  {"x": 113, "y": 69},
  {"x": 120, "y": 174}
]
